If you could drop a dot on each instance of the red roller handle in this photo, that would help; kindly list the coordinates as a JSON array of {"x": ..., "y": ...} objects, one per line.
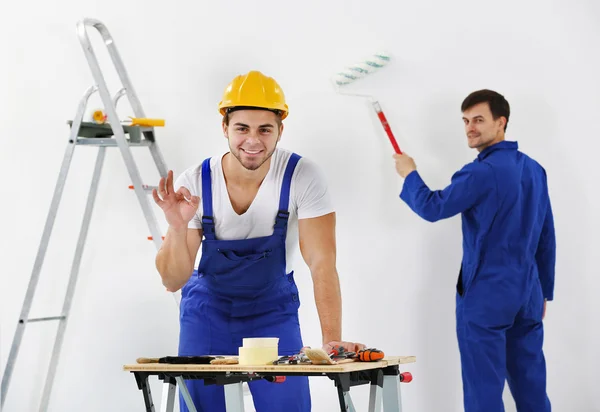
[
  {"x": 386, "y": 127},
  {"x": 406, "y": 377},
  {"x": 275, "y": 379}
]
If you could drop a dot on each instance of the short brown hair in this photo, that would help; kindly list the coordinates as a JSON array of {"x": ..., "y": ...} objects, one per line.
[
  {"x": 498, "y": 104},
  {"x": 278, "y": 114}
]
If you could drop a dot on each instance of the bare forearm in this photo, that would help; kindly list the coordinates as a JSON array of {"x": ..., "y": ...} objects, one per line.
[
  {"x": 173, "y": 260},
  {"x": 328, "y": 300}
]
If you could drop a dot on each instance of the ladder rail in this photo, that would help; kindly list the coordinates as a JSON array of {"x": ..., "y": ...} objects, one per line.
[
  {"x": 66, "y": 310},
  {"x": 43, "y": 246},
  {"x": 127, "y": 89},
  {"x": 109, "y": 42},
  {"x": 152, "y": 145},
  {"x": 124, "y": 145},
  {"x": 112, "y": 116}
]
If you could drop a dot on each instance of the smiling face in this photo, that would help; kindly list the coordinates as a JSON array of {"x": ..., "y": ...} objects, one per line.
[
  {"x": 481, "y": 128},
  {"x": 252, "y": 136}
]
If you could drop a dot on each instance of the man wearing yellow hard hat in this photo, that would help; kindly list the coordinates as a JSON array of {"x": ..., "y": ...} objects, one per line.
[{"x": 249, "y": 209}]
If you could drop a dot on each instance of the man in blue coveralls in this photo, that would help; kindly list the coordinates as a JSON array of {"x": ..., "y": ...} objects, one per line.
[
  {"x": 507, "y": 270},
  {"x": 249, "y": 208}
]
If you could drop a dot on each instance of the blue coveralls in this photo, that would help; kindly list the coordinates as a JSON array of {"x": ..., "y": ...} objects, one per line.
[
  {"x": 241, "y": 290},
  {"x": 507, "y": 270}
]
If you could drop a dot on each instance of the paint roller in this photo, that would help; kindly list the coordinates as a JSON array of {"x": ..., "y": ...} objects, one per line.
[
  {"x": 358, "y": 71},
  {"x": 99, "y": 117}
]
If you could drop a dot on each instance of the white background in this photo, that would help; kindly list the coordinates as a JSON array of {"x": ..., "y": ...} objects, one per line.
[{"x": 398, "y": 272}]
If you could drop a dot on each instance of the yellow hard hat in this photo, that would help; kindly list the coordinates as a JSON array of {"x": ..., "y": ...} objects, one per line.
[{"x": 254, "y": 89}]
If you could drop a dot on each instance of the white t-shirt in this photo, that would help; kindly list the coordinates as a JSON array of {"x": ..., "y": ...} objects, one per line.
[{"x": 309, "y": 197}]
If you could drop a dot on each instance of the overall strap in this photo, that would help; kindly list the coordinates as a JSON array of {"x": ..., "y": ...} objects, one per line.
[
  {"x": 284, "y": 197},
  {"x": 208, "y": 224}
]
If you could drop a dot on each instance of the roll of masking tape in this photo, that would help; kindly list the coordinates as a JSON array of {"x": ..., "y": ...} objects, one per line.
[
  {"x": 260, "y": 342},
  {"x": 257, "y": 356},
  {"x": 258, "y": 351}
]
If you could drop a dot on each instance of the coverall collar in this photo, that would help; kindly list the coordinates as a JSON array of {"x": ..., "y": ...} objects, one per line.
[{"x": 503, "y": 145}]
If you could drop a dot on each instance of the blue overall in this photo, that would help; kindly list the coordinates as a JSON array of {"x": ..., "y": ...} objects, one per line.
[
  {"x": 241, "y": 290},
  {"x": 506, "y": 273}
]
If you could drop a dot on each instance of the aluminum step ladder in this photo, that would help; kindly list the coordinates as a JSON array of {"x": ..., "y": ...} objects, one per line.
[{"x": 112, "y": 134}]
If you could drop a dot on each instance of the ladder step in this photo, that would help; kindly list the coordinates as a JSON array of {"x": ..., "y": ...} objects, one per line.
[
  {"x": 146, "y": 187},
  {"x": 109, "y": 142},
  {"x": 91, "y": 130},
  {"x": 42, "y": 319}
]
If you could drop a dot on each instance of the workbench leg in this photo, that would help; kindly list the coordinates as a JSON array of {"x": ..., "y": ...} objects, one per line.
[
  {"x": 186, "y": 394},
  {"x": 342, "y": 382},
  {"x": 392, "y": 400},
  {"x": 376, "y": 391},
  {"x": 168, "y": 395},
  {"x": 234, "y": 397},
  {"x": 142, "y": 382},
  {"x": 349, "y": 405}
]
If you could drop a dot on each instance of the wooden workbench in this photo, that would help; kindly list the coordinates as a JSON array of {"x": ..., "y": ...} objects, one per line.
[{"x": 384, "y": 377}]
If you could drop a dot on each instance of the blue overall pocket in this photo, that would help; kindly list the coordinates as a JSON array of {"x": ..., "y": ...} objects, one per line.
[{"x": 237, "y": 257}]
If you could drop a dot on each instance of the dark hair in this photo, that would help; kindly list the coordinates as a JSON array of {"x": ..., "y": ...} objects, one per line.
[
  {"x": 230, "y": 110},
  {"x": 497, "y": 103}
]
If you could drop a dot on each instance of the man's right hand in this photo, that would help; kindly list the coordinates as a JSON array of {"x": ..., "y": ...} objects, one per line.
[
  {"x": 179, "y": 207},
  {"x": 348, "y": 346}
]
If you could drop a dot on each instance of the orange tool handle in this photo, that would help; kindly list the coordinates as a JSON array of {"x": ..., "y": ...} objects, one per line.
[{"x": 370, "y": 355}]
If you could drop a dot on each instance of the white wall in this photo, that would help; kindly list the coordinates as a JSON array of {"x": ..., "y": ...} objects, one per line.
[{"x": 541, "y": 55}]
